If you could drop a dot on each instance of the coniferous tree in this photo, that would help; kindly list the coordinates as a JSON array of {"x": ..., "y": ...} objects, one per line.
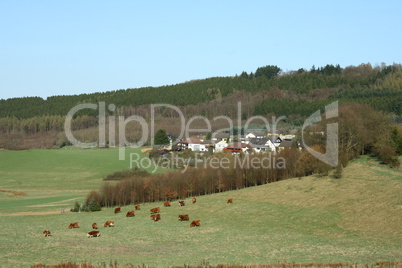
[{"x": 161, "y": 138}]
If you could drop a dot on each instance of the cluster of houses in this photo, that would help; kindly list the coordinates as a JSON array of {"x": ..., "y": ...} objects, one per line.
[{"x": 251, "y": 142}]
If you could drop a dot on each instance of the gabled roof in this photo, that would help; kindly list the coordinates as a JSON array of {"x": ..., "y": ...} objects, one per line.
[
  {"x": 256, "y": 133},
  {"x": 259, "y": 142},
  {"x": 194, "y": 140},
  {"x": 274, "y": 138}
]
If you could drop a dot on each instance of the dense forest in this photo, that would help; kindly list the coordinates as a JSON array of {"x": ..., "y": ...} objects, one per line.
[{"x": 33, "y": 122}]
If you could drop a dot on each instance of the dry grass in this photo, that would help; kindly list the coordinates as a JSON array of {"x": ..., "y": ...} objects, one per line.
[
  {"x": 380, "y": 264},
  {"x": 13, "y": 192}
]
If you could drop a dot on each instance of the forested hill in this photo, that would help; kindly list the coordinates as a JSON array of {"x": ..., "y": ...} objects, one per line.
[{"x": 300, "y": 90}]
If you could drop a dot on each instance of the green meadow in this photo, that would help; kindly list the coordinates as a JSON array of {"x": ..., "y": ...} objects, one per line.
[
  {"x": 355, "y": 219},
  {"x": 54, "y": 178}
]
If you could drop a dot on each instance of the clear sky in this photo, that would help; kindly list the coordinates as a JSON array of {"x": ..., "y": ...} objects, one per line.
[{"x": 70, "y": 47}]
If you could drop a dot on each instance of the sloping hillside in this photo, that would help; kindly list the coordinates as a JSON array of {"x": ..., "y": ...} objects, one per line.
[{"x": 313, "y": 219}]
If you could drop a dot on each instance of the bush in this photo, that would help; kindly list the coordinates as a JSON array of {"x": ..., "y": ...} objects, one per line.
[
  {"x": 76, "y": 208},
  {"x": 388, "y": 156},
  {"x": 93, "y": 206}
]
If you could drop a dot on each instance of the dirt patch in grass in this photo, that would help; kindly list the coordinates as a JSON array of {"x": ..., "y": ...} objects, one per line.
[
  {"x": 13, "y": 192},
  {"x": 31, "y": 213},
  {"x": 146, "y": 150},
  {"x": 55, "y": 204}
]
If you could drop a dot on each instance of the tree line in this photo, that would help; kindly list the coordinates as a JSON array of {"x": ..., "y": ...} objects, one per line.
[{"x": 194, "y": 92}]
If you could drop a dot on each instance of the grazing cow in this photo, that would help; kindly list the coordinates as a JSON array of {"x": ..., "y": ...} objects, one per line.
[
  {"x": 117, "y": 210},
  {"x": 94, "y": 225},
  {"x": 184, "y": 217},
  {"x": 156, "y": 217},
  {"x": 230, "y": 200},
  {"x": 194, "y": 200},
  {"x": 130, "y": 214},
  {"x": 73, "y": 225},
  {"x": 109, "y": 224},
  {"x": 182, "y": 203},
  {"x": 93, "y": 234},
  {"x": 137, "y": 207},
  {"x": 155, "y": 210},
  {"x": 166, "y": 204},
  {"x": 196, "y": 223},
  {"x": 47, "y": 233}
]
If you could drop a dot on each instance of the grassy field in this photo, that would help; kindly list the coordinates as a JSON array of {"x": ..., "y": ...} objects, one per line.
[
  {"x": 39, "y": 179},
  {"x": 354, "y": 219}
]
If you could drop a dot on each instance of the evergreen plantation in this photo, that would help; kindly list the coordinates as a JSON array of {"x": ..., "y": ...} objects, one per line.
[{"x": 381, "y": 87}]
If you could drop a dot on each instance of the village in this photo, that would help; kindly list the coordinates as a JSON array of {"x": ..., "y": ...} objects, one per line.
[{"x": 253, "y": 141}]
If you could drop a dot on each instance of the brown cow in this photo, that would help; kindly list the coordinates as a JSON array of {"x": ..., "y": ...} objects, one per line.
[
  {"x": 137, "y": 207},
  {"x": 47, "y": 233},
  {"x": 196, "y": 223},
  {"x": 93, "y": 234},
  {"x": 155, "y": 210},
  {"x": 109, "y": 224},
  {"x": 194, "y": 200},
  {"x": 73, "y": 225},
  {"x": 130, "y": 214},
  {"x": 166, "y": 204},
  {"x": 182, "y": 203},
  {"x": 184, "y": 217},
  {"x": 156, "y": 217},
  {"x": 117, "y": 210},
  {"x": 94, "y": 225},
  {"x": 230, "y": 200}
]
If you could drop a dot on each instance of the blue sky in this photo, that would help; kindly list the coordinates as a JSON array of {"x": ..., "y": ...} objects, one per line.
[{"x": 70, "y": 47}]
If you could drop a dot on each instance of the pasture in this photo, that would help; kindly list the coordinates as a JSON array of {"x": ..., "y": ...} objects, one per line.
[
  {"x": 355, "y": 219},
  {"x": 42, "y": 180}
]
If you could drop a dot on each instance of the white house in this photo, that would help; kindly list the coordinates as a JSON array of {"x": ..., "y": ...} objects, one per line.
[
  {"x": 255, "y": 134},
  {"x": 196, "y": 146},
  {"x": 220, "y": 145},
  {"x": 262, "y": 145},
  {"x": 200, "y": 145}
]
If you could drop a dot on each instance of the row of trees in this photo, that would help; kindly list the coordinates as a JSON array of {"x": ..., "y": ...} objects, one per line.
[{"x": 198, "y": 180}]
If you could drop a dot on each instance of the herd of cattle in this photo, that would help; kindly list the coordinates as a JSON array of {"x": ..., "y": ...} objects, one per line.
[{"x": 155, "y": 216}]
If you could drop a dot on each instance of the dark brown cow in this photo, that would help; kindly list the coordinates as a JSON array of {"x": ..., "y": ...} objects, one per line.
[
  {"x": 182, "y": 203},
  {"x": 156, "y": 217},
  {"x": 166, "y": 204},
  {"x": 184, "y": 217},
  {"x": 137, "y": 207},
  {"x": 109, "y": 224},
  {"x": 93, "y": 234},
  {"x": 196, "y": 223},
  {"x": 230, "y": 200},
  {"x": 47, "y": 233},
  {"x": 94, "y": 225},
  {"x": 117, "y": 210},
  {"x": 73, "y": 225},
  {"x": 194, "y": 200},
  {"x": 155, "y": 210},
  {"x": 130, "y": 214}
]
